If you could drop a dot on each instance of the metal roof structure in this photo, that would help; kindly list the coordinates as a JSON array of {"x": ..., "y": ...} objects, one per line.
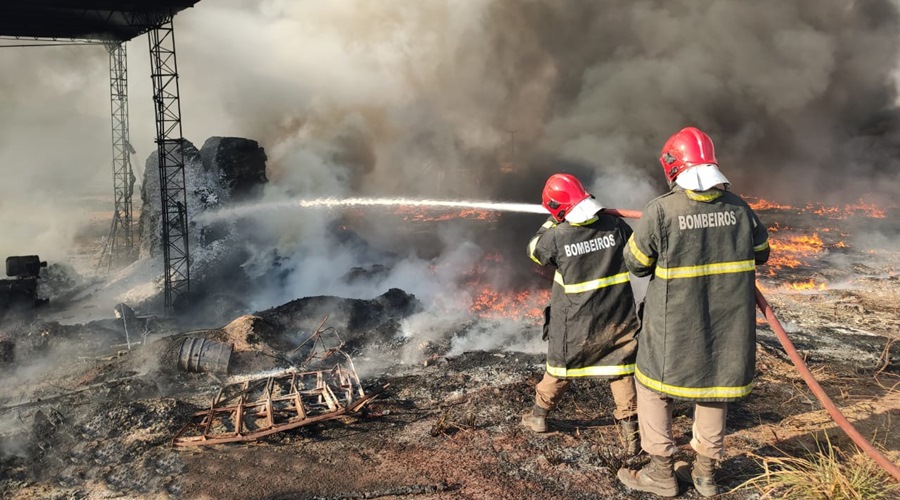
[{"x": 106, "y": 20}]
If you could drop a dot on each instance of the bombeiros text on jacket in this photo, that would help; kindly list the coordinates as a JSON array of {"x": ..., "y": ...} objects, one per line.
[
  {"x": 593, "y": 245},
  {"x": 702, "y": 221}
]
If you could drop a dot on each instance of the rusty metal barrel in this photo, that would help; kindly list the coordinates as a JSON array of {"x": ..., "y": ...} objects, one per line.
[{"x": 199, "y": 355}]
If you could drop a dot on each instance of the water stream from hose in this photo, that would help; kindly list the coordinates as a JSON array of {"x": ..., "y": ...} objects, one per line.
[{"x": 337, "y": 203}]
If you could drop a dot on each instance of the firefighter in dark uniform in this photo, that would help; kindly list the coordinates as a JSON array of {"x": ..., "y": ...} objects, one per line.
[
  {"x": 701, "y": 244},
  {"x": 591, "y": 322}
]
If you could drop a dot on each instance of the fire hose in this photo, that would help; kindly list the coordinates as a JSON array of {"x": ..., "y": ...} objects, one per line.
[{"x": 807, "y": 376}]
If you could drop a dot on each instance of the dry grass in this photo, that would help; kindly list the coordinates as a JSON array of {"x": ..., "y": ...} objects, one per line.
[
  {"x": 447, "y": 425},
  {"x": 826, "y": 473},
  {"x": 611, "y": 453}
]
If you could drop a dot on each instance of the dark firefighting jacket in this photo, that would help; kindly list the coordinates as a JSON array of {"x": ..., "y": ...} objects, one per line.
[
  {"x": 591, "y": 323},
  {"x": 698, "y": 337}
]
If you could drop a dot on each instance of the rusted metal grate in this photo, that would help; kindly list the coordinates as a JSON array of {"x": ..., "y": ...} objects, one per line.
[{"x": 249, "y": 410}]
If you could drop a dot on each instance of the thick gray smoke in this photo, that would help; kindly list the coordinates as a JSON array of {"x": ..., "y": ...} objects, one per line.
[
  {"x": 484, "y": 99},
  {"x": 481, "y": 99},
  {"x": 416, "y": 97},
  {"x": 55, "y": 158}
]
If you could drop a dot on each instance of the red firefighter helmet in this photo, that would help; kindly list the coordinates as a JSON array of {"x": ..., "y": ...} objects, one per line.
[
  {"x": 561, "y": 193},
  {"x": 689, "y": 147}
]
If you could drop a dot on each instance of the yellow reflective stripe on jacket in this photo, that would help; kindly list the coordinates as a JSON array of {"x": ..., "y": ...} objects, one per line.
[
  {"x": 762, "y": 246},
  {"x": 638, "y": 254},
  {"x": 531, "y": 245},
  {"x": 703, "y": 195},
  {"x": 590, "y": 371},
  {"x": 739, "y": 266},
  {"x": 596, "y": 284},
  {"x": 693, "y": 392}
]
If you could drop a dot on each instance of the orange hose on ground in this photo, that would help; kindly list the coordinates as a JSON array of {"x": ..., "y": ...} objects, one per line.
[
  {"x": 811, "y": 382},
  {"x": 823, "y": 398}
]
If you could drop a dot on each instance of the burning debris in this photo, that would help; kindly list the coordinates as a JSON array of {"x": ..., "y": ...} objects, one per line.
[
  {"x": 808, "y": 241},
  {"x": 529, "y": 305}
]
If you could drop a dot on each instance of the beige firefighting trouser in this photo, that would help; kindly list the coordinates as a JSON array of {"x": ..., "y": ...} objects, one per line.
[
  {"x": 550, "y": 390},
  {"x": 655, "y": 425}
]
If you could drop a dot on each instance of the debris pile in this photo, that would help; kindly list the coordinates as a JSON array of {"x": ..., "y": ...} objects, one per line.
[
  {"x": 249, "y": 410},
  {"x": 225, "y": 171}
]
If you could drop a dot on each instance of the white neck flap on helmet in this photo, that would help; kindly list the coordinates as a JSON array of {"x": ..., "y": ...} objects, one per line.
[{"x": 584, "y": 210}]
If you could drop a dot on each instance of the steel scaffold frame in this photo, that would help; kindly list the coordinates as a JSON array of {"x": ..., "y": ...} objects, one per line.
[
  {"x": 169, "y": 142},
  {"x": 120, "y": 242}
]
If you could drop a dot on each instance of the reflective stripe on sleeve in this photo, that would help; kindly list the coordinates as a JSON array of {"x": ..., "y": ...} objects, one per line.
[
  {"x": 762, "y": 246},
  {"x": 693, "y": 392},
  {"x": 638, "y": 254},
  {"x": 596, "y": 284},
  {"x": 740, "y": 266},
  {"x": 591, "y": 371},
  {"x": 531, "y": 245}
]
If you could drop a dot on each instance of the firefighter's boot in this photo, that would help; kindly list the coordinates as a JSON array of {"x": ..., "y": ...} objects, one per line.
[
  {"x": 536, "y": 419},
  {"x": 656, "y": 477},
  {"x": 702, "y": 475},
  {"x": 628, "y": 429}
]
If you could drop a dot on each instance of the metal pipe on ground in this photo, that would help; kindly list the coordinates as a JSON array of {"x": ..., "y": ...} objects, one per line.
[{"x": 807, "y": 376}]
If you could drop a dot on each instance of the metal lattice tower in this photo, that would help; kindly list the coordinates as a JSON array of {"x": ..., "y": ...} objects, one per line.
[
  {"x": 120, "y": 248},
  {"x": 170, "y": 150}
]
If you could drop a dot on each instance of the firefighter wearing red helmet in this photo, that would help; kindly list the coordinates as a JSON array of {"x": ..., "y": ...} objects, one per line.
[
  {"x": 590, "y": 323},
  {"x": 700, "y": 244}
]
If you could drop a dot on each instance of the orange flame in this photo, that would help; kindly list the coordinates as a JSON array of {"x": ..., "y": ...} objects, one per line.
[
  {"x": 524, "y": 305},
  {"x": 867, "y": 209},
  {"x": 761, "y": 204},
  {"x": 794, "y": 286},
  {"x": 859, "y": 208},
  {"x": 805, "y": 285},
  {"x": 793, "y": 251}
]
